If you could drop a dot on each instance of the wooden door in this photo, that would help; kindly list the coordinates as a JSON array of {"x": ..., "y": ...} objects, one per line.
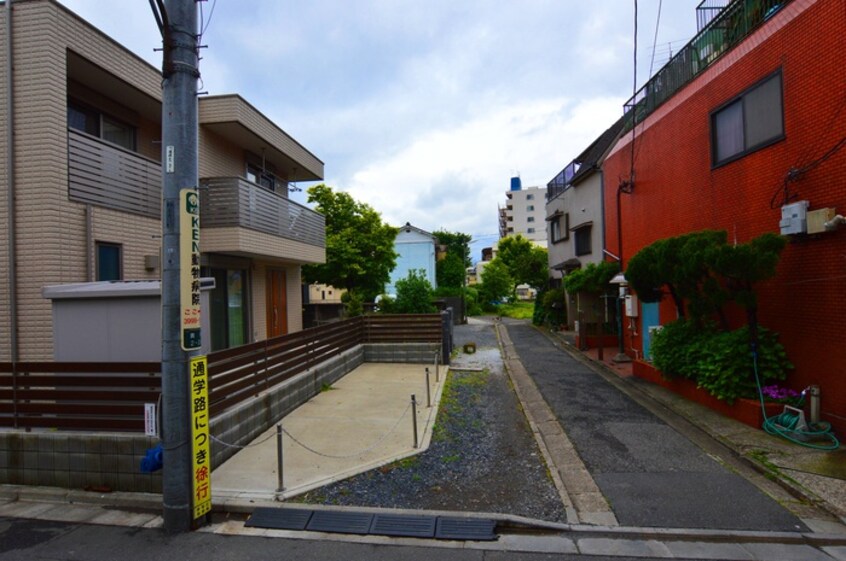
[{"x": 277, "y": 303}]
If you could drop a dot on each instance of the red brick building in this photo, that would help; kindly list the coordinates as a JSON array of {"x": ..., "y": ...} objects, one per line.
[{"x": 758, "y": 121}]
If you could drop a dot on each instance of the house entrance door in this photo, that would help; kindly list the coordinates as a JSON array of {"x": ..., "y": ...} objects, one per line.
[
  {"x": 649, "y": 322},
  {"x": 277, "y": 303}
]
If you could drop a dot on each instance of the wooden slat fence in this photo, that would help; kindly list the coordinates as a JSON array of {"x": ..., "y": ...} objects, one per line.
[
  {"x": 111, "y": 396},
  {"x": 403, "y": 328},
  {"x": 242, "y": 372},
  {"x": 77, "y": 395}
]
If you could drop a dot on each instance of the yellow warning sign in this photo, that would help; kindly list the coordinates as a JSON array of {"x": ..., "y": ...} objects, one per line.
[{"x": 201, "y": 447}]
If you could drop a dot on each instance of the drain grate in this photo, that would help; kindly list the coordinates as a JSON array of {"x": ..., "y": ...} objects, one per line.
[
  {"x": 404, "y": 525},
  {"x": 396, "y": 525},
  {"x": 465, "y": 529},
  {"x": 279, "y": 518},
  {"x": 340, "y": 522}
]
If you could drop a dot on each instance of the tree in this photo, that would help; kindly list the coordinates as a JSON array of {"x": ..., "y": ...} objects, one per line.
[
  {"x": 497, "y": 283},
  {"x": 702, "y": 272},
  {"x": 681, "y": 265},
  {"x": 457, "y": 244},
  {"x": 743, "y": 265},
  {"x": 359, "y": 246},
  {"x": 526, "y": 262},
  {"x": 450, "y": 272},
  {"x": 414, "y": 294},
  {"x": 593, "y": 279}
]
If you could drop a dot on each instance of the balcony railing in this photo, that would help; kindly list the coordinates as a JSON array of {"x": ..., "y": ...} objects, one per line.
[
  {"x": 102, "y": 174},
  {"x": 561, "y": 182},
  {"x": 728, "y": 28},
  {"x": 235, "y": 202}
]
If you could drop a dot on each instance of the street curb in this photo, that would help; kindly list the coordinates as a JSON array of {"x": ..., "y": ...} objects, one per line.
[{"x": 582, "y": 499}]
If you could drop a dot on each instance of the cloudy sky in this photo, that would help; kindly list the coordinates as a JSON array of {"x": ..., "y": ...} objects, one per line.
[{"x": 424, "y": 110}]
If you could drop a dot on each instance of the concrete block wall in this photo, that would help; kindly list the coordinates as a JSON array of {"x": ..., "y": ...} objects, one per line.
[
  {"x": 101, "y": 461},
  {"x": 93, "y": 461}
]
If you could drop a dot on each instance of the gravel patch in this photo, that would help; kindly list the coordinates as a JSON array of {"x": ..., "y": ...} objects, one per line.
[{"x": 483, "y": 456}]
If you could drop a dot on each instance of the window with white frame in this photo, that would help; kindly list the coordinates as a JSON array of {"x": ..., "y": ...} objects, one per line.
[{"x": 559, "y": 228}]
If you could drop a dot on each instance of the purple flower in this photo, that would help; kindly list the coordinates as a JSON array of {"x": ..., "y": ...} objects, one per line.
[{"x": 777, "y": 393}]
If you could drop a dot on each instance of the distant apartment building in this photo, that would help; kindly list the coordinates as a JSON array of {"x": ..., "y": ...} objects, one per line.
[
  {"x": 523, "y": 213},
  {"x": 81, "y": 187}
]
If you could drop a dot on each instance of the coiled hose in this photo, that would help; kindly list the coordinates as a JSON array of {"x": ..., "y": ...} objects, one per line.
[{"x": 785, "y": 424}]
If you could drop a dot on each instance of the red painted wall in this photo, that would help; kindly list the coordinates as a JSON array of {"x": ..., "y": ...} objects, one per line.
[{"x": 677, "y": 191}]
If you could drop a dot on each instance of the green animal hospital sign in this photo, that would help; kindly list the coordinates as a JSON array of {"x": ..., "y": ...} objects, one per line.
[{"x": 189, "y": 270}]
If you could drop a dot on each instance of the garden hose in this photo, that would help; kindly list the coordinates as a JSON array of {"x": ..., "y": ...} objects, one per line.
[{"x": 786, "y": 424}]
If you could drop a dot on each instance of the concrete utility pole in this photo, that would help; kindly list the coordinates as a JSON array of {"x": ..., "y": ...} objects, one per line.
[{"x": 180, "y": 167}]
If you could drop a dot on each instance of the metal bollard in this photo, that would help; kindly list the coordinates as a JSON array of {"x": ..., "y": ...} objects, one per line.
[
  {"x": 414, "y": 417},
  {"x": 281, "y": 486},
  {"x": 428, "y": 390}
]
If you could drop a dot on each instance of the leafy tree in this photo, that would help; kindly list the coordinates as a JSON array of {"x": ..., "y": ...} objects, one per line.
[
  {"x": 702, "y": 272},
  {"x": 414, "y": 294},
  {"x": 359, "y": 246},
  {"x": 457, "y": 244},
  {"x": 743, "y": 265},
  {"x": 526, "y": 262},
  {"x": 353, "y": 304},
  {"x": 551, "y": 308},
  {"x": 593, "y": 278},
  {"x": 681, "y": 265},
  {"x": 497, "y": 283},
  {"x": 450, "y": 271}
]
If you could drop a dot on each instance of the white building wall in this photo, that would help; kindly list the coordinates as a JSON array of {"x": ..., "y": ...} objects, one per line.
[{"x": 527, "y": 213}]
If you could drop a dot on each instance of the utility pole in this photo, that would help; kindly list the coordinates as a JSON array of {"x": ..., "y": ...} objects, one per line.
[{"x": 178, "y": 22}]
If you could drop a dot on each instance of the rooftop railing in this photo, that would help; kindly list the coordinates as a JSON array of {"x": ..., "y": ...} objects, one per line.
[{"x": 728, "y": 28}]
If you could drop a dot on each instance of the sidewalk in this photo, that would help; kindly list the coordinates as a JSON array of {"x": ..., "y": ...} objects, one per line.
[{"x": 815, "y": 476}]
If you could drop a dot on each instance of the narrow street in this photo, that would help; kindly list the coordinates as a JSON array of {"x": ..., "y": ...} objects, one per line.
[{"x": 651, "y": 475}]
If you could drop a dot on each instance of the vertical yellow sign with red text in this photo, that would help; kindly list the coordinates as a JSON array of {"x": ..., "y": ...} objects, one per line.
[{"x": 201, "y": 447}]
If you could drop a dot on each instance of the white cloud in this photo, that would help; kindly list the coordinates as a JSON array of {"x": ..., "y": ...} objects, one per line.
[
  {"x": 453, "y": 178},
  {"x": 423, "y": 109}
]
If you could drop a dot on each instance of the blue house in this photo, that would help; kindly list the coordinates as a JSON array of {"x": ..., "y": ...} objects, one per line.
[{"x": 416, "y": 250}]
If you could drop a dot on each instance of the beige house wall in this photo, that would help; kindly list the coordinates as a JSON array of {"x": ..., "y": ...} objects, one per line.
[
  {"x": 219, "y": 157},
  {"x": 56, "y": 237},
  {"x": 5, "y": 312},
  {"x": 244, "y": 241},
  {"x": 50, "y": 230}
]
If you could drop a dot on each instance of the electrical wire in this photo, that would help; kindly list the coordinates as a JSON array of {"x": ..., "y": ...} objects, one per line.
[
  {"x": 796, "y": 172},
  {"x": 204, "y": 25},
  {"x": 655, "y": 37},
  {"x": 634, "y": 95}
]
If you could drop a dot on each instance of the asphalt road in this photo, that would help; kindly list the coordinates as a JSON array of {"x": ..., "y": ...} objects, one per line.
[
  {"x": 37, "y": 540},
  {"x": 651, "y": 475}
]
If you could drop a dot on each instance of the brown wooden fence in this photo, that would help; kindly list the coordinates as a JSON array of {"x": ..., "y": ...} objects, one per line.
[{"x": 111, "y": 396}]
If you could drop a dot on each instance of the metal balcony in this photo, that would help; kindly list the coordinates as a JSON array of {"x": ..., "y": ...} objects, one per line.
[{"x": 235, "y": 202}]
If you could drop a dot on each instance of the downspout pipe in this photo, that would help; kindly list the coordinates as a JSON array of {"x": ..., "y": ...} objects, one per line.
[{"x": 10, "y": 191}]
